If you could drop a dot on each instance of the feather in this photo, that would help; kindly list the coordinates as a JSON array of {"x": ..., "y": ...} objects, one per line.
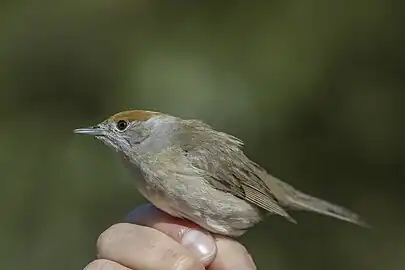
[{"x": 226, "y": 167}]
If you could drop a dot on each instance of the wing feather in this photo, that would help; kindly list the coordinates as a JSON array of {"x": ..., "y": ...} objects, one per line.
[{"x": 226, "y": 167}]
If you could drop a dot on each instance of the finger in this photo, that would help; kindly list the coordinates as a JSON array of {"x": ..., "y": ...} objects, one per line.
[
  {"x": 231, "y": 255},
  {"x": 101, "y": 264},
  {"x": 144, "y": 248},
  {"x": 190, "y": 235}
]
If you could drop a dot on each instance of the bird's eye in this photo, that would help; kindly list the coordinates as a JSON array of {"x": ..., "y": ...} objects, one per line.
[{"x": 122, "y": 125}]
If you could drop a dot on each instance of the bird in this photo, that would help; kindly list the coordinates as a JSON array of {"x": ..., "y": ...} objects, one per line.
[{"x": 192, "y": 171}]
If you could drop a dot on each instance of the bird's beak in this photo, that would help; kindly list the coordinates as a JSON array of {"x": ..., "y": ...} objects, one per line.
[{"x": 95, "y": 131}]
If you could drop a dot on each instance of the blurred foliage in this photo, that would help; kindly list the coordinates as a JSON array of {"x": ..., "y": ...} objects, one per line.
[{"x": 314, "y": 88}]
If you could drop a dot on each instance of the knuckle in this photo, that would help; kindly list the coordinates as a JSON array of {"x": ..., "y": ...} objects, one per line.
[
  {"x": 235, "y": 245},
  {"x": 244, "y": 252},
  {"x": 187, "y": 263},
  {"x": 242, "y": 248},
  {"x": 110, "y": 235}
]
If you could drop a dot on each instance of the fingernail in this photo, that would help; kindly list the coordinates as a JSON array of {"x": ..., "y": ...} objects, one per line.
[{"x": 202, "y": 245}]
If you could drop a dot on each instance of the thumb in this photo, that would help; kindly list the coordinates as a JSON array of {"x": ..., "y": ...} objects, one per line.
[{"x": 199, "y": 242}]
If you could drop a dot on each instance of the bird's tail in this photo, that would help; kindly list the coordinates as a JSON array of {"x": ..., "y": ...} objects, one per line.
[{"x": 301, "y": 201}]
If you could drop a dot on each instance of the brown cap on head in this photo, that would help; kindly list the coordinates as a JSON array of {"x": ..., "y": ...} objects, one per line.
[{"x": 133, "y": 115}]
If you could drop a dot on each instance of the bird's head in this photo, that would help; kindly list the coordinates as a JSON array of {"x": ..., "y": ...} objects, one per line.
[{"x": 124, "y": 130}]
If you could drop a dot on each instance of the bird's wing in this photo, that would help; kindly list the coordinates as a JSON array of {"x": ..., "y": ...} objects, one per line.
[{"x": 226, "y": 167}]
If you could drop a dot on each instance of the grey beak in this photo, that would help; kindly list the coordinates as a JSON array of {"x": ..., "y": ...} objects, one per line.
[{"x": 95, "y": 131}]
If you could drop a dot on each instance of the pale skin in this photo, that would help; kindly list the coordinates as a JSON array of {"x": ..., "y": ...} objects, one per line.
[{"x": 152, "y": 240}]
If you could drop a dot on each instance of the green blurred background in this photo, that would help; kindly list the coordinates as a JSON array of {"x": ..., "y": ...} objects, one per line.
[{"x": 314, "y": 88}]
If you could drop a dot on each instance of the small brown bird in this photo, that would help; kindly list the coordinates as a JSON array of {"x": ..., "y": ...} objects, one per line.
[{"x": 194, "y": 172}]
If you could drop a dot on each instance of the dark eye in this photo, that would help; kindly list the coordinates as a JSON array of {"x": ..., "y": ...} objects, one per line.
[{"x": 122, "y": 125}]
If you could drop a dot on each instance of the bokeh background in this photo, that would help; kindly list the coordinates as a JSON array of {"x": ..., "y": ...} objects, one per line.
[{"x": 314, "y": 88}]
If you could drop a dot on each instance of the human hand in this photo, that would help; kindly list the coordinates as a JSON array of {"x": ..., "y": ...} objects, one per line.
[{"x": 156, "y": 241}]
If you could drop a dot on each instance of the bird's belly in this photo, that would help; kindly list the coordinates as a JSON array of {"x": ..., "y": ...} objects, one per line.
[
  {"x": 192, "y": 198},
  {"x": 220, "y": 212},
  {"x": 198, "y": 201}
]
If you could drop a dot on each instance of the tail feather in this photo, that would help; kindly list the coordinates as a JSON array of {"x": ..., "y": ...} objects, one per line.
[{"x": 302, "y": 201}]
